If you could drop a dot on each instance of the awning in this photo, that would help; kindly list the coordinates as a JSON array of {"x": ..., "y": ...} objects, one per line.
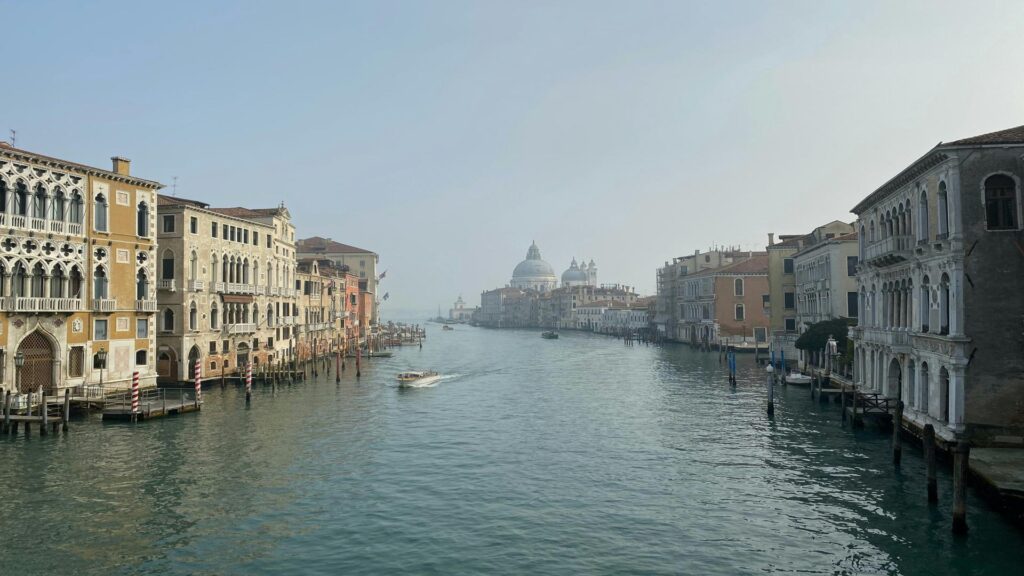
[{"x": 238, "y": 298}]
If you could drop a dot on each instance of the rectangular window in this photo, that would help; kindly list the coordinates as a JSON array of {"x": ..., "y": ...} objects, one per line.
[
  {"x": 224, "y": 231},
  {"x": 193, "y": 225},
  {"x": 168, "y": 268},
  {"x": 245, "y": 236},
  {"x": 740, "y": 312},
  {"x": 99, "y": 329},
  {"x": 231, "y": 233},
  {"x": 787, "y": 266},
  {"x": 213, "y": 229},
  {"x": 225, "y": 346},
  {"x": 269, "y": 240},
  {"x": 851, "y": 304},
  {"x": 790, "y": 300},
  {"x": 761, "y": 334},
  {"x": 213, "y": 348},
  {"x": 76, "y": 361},
  {"x": 851, "y": 265},
  {"x": 765, "y": 300},
  {"x": 142, "y": 328},
  {"x": 168, "y": 223},
  {"x": 255, "y": 238},
  {"x": 791, "y": 324}
]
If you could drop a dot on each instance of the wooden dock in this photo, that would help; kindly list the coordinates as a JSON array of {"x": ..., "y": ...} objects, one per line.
[{"x": 153, "y": 403}]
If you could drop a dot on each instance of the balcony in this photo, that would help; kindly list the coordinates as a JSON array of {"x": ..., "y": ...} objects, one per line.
[
  {"x": 104, "y": 304},
  {"x": 218, "y": 287},
  {"x": 261, "y": 290},
  {"x": 40, "y": 224},
  {"x": 889, "y": 251},
  {"x": 247, "y": 328},
  {"x": 275, "y": 291},
  {"x": 239, "y": 288},
  {"x": 145, "y": 305},
  {"x": 287, "y": 320},
  {"x": 167, "y": 285},
  {"x": 196, "y": 285},
  {"x": 898, "y": 339},
  {"x": 33, "y": 304}
]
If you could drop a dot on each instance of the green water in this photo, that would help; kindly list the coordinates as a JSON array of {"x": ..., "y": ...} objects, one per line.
[{"x": 573, "y": 456}]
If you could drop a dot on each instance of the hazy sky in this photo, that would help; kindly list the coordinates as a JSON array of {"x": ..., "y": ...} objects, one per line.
[{"x": 448, "y": 135}]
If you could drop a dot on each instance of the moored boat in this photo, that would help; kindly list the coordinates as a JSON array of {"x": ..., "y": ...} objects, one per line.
[
  {"x": 550, "y": 335},
  {"x": 415, "y": 379},
  {"x": 797, "y": 378}
]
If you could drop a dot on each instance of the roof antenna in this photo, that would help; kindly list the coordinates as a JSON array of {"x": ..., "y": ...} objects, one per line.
[
  {"x": 174, "y": 187},
  {"x": 14, "y": 137}
]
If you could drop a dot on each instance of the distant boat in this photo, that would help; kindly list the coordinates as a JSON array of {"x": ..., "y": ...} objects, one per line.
[
  {"x": 550, "y": 335},
  {"x": 417, "y": 379},
  {"x": 447, "y": 327}
]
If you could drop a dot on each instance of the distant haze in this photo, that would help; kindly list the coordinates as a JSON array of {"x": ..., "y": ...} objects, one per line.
[{"x": 447, "y": 135}]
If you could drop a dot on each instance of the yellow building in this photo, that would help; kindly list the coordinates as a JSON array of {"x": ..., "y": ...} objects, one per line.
[{"x": 77, "y": 258}]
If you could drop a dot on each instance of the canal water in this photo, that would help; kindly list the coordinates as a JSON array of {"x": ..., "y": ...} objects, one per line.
[{"x": 575, "y": 456}]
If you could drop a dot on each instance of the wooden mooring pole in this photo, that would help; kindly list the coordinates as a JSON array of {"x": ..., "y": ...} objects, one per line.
[
  {"x": 842, "y": 395},
  {"x": 66, "y": 415},
  {"x": 928, "y": 439},
  {"x": 897, "y": 429},
  {"x": 7, "y": 412},
  {"x": 961, "y": 457},
  {"x": 44, "y": 413}
]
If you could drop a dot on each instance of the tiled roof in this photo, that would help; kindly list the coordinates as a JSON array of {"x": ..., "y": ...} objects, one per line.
[
  {"x": 164, "y": 200},
  {"x": 1009, "y": 136},
  {"x": 327, "y": 246},
  {"x": 238, "y": 212},
  {"x": 756, "y": 264}
]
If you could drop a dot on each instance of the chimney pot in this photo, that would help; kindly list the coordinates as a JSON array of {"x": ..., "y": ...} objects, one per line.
[
  {"x": 122, "y": 165},
  {"x": 771, "y": 238}
]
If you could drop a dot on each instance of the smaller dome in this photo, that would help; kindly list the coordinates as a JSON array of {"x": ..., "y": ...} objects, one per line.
[{"x": 573, "y": 275}]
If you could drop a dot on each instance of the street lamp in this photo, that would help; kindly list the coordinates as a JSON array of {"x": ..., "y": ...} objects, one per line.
[
  {"x": 19, "y": 361},
  {"x": 102, "y": 357}
]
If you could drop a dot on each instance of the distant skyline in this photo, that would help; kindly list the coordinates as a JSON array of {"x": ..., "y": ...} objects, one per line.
[{"x": 446, "y": 136}]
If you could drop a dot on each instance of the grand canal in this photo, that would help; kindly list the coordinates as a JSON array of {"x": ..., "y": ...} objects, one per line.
[{"x": 575, "y": 456}]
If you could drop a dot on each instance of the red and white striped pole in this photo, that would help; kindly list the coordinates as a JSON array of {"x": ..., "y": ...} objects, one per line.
[
  {"x": 199, "y": 384},
  {"x": 135, "y": 395},
  {"x": 248, "y": 381}
]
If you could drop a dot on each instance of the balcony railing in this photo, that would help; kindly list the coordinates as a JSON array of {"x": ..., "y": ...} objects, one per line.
[
  {"x": 889, "y": 251},
  {"x": 104, "y": 304},
  {"x": 145, "y": 305},
  {"x": 239, "y": 288},
  {"x": 275, "y": 291},
  {"x": 40, "y": 224},
  {"x": 218, "y": 287},
  {"x": 36, "y": 304},
  {"x": 165, "y": 285},
  {"x": 288, "y": 320},
  {"x": 245, "y": 328},
  {"x": 196, "y": 285},
  {"x": 897, "y": 338},
  {"x": 261, "y": 290}
]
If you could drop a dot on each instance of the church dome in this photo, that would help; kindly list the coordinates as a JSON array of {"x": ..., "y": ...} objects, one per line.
[
  {"x": 534, "y": 272},
  {"x": 574, "y": 275}
]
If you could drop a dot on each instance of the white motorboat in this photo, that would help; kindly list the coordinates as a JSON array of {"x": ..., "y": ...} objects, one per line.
[
  {"x": 418, "y": 379},
  {"x": 797, "y": 378}
]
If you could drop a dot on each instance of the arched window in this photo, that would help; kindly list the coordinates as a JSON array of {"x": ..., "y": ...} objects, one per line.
[
  {"x": 193, "y": 317},
  {"x": 57, "y": 280},
  {"x": 214, "y": 268},
  {"x": 214, "y": 317},
  {"x": 944, "y": 394},
  {"x": 37, "y": 281},
  {"x": 922, "y": 216},
  {"x": 99, "y": 215},
  {"x": 193, "y": 266},
  {"x": 20, "y": 199},
  {"x": 1000, "y": 203},
  {"x": 737, "y": 287},
  {"x": 39, "y": 203},
  {"x": 861, "y": 242},
  {"x": 3, "y": 195},
  {"x": 142, "y": 220},
  {"x": 924, "y": 304},
  {"x": 944, "y": 304},
  {"x": 141, "y": 285},
  {"x": 168, "y": 320},
  {"x": 18, "y": 280},
  {"x": 925, "y": 385},
  {"x": 99, "y": 283},
  {"x": 943, "y": 202},
  {"x": 167, "y": 265},
  {"x": 75, "y": 283},
  {"x": 75, "y": 209},
  {"x": 57, "y": 207},
  {"x": 911, "y": 384},
  {"x": 739, "y": 312},
  {"x": 270, "y": 315}
]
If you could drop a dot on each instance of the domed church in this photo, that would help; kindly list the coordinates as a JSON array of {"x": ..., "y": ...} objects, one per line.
[{"x": 536, "y": 274}]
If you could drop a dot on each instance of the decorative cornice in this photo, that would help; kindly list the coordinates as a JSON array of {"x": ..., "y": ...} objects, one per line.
[
  {"x": 66, "y": 166},
  {"x": 933, "y": 158}
]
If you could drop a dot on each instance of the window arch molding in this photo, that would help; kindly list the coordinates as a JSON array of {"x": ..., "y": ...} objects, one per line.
[{"x": 1015, "y": 197}]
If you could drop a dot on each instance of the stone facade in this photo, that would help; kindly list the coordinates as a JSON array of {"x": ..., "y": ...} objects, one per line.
[
  {"x": 77, "y": 258},
  {"x": 226, "y": 289},
  {"x": 361, "y": 262},
  {"x": 940, "y": 260}
]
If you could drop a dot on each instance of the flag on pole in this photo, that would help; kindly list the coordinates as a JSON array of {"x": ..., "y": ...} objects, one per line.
[
  {"x": 382, "y": 275},
  {"x": 386, "y": 295}
]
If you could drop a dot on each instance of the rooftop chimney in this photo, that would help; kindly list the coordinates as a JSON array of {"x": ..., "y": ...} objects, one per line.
[
  {"x": 122, "y": 165},
  {"x": 771, "y": 238}
]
